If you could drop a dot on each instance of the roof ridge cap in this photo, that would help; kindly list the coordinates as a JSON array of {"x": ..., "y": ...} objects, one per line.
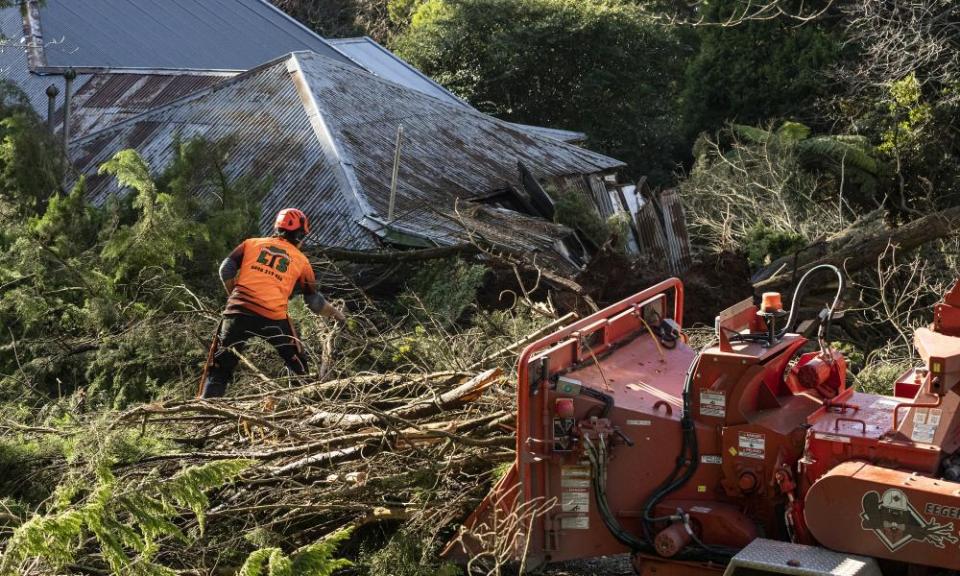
[
  {"x": 33, "y": 32},
  {"x": 448, "y": 105}
]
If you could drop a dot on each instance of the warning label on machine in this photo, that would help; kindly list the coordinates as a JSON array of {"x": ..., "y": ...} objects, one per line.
[
  {"x": 925, "y": 423},
  {"x": 713, "y": 403},
  {"x": 575, "y": 501},
  {"x": 575, "y": 477},
  {"x": 575, "y": 497},
  {"x": 575, "y": 523},
  {"x": 711, "y": 459},
  {"x": 752, "y": 445}
]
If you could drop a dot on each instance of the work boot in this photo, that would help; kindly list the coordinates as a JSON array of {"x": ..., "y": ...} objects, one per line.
[{"x": 213, "y": 388}]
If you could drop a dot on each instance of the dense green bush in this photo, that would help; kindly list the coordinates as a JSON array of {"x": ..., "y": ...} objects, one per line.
[
  {"x": 756, "y": 72},
  {"x": 603, "y": 68}
]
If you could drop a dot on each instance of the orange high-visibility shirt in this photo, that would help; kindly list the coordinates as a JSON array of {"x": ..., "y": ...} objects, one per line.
[{"x": 268, "y": 270}]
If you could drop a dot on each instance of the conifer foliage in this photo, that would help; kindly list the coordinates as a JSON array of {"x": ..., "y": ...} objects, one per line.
[{"x": 125, "y": 522}]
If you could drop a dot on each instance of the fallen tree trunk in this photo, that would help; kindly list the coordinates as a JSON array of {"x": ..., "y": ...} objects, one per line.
[
  {"x": 855, "y": 253},
  {"x": 394, "y": 256}
]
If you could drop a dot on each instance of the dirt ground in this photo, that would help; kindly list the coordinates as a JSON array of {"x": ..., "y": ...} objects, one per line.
[{"x": 711, "y": 285}]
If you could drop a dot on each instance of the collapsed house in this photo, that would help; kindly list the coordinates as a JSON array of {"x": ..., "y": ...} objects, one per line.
[
  {"x": 325, "y": 133},
  {"x": 327, "y": 121}
]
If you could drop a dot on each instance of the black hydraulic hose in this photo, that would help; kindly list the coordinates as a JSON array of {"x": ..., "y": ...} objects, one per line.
[
  {"x": 688, "y": 457},
  {"x": 792, "y": 318},
  {"x": 700, "y": 552},
  {"x": 598, "y": 464},
  {"x": 597, "y": 395}
]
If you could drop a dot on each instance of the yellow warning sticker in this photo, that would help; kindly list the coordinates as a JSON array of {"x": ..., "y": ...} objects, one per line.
[
  {"x": 732, "y": 451},
  {"x": 702, "y": 488}
]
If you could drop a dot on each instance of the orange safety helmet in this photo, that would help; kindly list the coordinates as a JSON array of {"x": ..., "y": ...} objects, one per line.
[{"x": 292, "y": 220}]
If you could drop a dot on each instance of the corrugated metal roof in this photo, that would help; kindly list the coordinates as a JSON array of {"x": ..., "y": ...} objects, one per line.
[
  {"x": 325, "y": 133},
  {"x": 448, "y": 151},
  {"x": 176, "y": 34},
  {"x": 15, "y": 66},
  {"x": 569, "y": 136},
  {"x": 108, "y": 98},
  {"x": 378, "y": 60},
  {"x": 262, "y": 115}
]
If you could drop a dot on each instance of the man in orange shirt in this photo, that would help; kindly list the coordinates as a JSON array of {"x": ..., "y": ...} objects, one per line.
[{"x": 261, "y": 275}]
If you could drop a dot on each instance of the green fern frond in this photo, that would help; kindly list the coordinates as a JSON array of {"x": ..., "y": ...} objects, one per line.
[
  {"x": 253, "y": 566},
  {"x": 829, "y": 152},
  {"x": 792, "y": 132},
  {"x": 280, "y": 565},
  {"x": 188, "y": 488},
  {"x": 53, "y": 537},
  {"x": 317, "y": 559},
  {"x": 751, "y": 133}
]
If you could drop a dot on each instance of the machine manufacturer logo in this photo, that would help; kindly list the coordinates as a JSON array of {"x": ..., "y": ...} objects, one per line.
[{"x": 897, "y": 523}]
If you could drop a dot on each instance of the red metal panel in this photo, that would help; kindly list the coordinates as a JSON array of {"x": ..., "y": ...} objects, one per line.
[{"x": 886, "y": 513}]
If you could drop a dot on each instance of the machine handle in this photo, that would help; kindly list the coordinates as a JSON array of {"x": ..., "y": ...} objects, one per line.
[
  {"x": 664, "y": 404},
  {"x": 836, "y": 424},
  {"x": 898, "y": 407}
]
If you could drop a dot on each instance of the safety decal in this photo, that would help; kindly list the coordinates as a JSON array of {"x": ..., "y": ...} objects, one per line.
[
  {"x": 713, "y": 403},
  {"x": 711, "y": 459},
  {"x": 639, "y": 422},
  {"x": 574, "y": 477},
  {"x": 571, "y": 501},
  {"x": 925, "y": 423},
  {"x": 575, "y": 497},
  {"x": 897, "y": 523},
  {"x": 752, "y": 445}
]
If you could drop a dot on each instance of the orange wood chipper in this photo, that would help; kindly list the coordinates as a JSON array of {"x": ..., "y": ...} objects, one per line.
[{"x": 752, "y": 455}]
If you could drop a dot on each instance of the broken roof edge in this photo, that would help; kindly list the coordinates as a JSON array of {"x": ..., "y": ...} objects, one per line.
[{"x": 566, "y": 136}]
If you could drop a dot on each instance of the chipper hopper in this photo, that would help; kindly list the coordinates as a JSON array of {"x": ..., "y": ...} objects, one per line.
[{"x": 751, "y": 455}]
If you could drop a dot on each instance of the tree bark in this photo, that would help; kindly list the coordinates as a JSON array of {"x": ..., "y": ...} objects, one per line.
[{"x": 854, "y": 254}]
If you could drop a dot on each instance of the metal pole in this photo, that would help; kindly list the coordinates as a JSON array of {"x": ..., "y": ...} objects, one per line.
[
  {"x": 396, "y": 174},
  {"x": 69, "y": 75},
  {"x": 52, "y": 92}
]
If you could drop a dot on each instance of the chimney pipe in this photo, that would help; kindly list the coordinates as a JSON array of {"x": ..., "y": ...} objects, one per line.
[
  {"x": 69, "y": 75},
  {"x": 52, "y": 92}
]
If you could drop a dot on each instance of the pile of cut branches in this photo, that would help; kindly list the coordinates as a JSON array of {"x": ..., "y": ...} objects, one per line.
[{"x": 414, "y": 448}]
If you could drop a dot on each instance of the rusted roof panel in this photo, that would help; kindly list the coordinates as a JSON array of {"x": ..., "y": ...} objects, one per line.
[
  {"x": 325, "y": 133},
  {"x": 108, "y": 98}
]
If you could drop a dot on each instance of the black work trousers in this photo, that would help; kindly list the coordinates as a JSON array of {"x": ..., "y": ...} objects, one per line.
[{"x": 235, "y": 330}]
